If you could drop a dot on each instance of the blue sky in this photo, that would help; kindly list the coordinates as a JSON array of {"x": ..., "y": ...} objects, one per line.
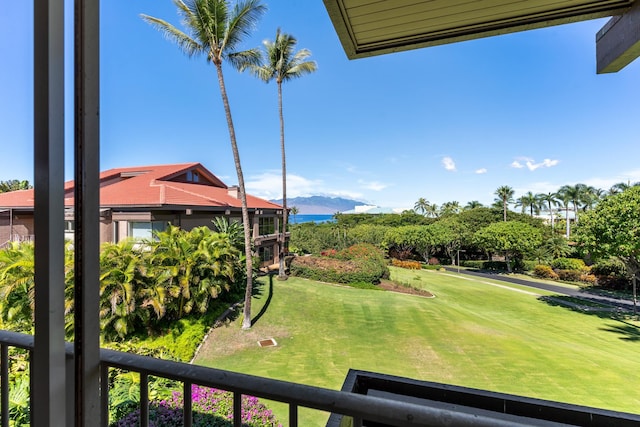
[{"x": 446, "y": 123}]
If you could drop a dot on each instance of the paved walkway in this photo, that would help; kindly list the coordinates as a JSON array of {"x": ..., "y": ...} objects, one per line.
[{"x": 562, "y": 290}]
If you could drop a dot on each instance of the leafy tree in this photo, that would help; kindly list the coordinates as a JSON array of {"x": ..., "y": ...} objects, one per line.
[
  {"x": 216, "y": 32},
  {"x": 512, "y": 238},
  {"x": 14, "y": 185},
  {"x": 505, "y": 196},
  {"x": 281, "y": 63},
  {"x": 612, "y": 229},
  {"x": 403, "y": 241},
  {"x": 449, "y": 233}
]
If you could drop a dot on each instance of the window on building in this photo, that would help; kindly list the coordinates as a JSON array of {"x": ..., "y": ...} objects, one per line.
[
  {"x": 265, "y": 253},
  {"x": 146, "y": 229},
  {"x": 266, "y": 225},
  {"x": 193, "y": 176}
]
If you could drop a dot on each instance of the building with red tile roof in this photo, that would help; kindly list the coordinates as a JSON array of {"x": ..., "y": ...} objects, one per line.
[{"x": 135, "y": 201}]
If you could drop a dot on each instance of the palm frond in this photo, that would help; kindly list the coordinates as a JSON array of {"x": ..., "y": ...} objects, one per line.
[
  {"x": 187, "y": 44},
  {"x": 245, "y": 59},
  {"x": 241, "y": 23}
]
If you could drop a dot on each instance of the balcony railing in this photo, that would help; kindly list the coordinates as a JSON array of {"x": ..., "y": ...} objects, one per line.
[{"x": 381, "y": 411}]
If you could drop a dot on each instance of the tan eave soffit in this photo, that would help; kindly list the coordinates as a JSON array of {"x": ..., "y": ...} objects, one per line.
[{"x": 370, "y": 27}]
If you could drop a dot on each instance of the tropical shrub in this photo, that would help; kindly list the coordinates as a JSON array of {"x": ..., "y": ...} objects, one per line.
[
  {"x": 569, "y": 275},
  {"x": 358, "y": 263},
  {"x": 485, "y": 265},
  {"x": 568, "y": 264},
  {"x": 411, "y": 265},
  {"x": 545, "y": 272},
  {"x": 611, "y": 273}
]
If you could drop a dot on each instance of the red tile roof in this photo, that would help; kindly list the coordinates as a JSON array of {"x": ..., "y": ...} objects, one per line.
[{"x": 152, "y": 186}]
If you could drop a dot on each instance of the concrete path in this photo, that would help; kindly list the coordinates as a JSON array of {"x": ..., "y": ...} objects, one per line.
[{"x": 562, "y": 290}]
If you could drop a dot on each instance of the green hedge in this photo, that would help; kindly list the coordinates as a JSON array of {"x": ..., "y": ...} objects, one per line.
[{"x": 485, "y": 265}]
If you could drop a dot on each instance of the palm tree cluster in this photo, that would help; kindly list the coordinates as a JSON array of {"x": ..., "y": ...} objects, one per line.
[
  {"x": 142, "y": 284},
  {"x": 577, "y": 198},
  {"x": 215, "y": 30},
  {"x": 14, "y": 185}
]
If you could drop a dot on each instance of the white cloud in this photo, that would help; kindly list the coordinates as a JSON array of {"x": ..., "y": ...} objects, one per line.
[
  {"x": 372, "y": 185},
  {"x": 268, "y": 185},
  {"x": 531, "y": 165},
  {"x": 546, "y": 163},
  {"x": 481, "y": 171},
  {"x": 448, "y": 163}
]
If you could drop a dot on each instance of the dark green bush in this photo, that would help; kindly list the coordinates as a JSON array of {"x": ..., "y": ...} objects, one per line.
[
  {"x": 486, "y": 265},
  {"x": 609, "y": 267}
]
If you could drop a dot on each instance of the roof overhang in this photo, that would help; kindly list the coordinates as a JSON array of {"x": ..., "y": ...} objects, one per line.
[{"x": 374, "y": 27}]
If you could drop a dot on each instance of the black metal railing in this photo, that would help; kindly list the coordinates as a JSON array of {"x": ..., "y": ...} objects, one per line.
[{"x": 360, "y": 407}]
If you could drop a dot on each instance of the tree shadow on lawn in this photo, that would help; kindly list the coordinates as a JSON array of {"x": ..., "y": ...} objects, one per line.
[
  {"x": 258, "y": 292},
  {"x": 587, "y": 306}
]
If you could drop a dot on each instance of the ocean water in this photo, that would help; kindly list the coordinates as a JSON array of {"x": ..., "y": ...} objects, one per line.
[{"x": 300, "y": 218}]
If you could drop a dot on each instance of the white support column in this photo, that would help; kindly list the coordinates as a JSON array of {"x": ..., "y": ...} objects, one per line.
[
  {"x": 87, "y": 212},
  {"x": 49, "y": 383},
  {"x": 618, "y": 42}
]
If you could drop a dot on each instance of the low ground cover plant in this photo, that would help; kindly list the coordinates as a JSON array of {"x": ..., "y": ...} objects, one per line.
[{"x": 211, "y": 408}]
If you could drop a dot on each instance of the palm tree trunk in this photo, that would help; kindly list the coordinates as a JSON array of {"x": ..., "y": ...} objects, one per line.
[
  {"x": 281, "y": 272},
  {"x": 246, "y": 321},
  {"x": 504, "y": 208},
  {"x": 567, "y": 218}
]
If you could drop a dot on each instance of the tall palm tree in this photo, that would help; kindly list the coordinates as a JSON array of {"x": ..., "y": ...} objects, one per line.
[
  {"x": 216, "y": 30},
  {"x": 549, "y": 200},
  {"x": 449, "y": 208},
  {"x": 564, "y": 200},
  {"x": 529, "y": 200},
  {"x": 421, "y": 206},
  {"x": 13, "y": 185},
  {"x": 505, "y": 195},
  {"x": 281, "y": 63},
  {"x": 431, "y": 210},
  {"x": 472, "y": 205},
  {"x": 294, "y": 211},
  {"x": 576, "y": 194}
]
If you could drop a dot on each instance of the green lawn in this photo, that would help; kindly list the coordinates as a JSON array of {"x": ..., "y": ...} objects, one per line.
[{"x": 476, "y": 333}]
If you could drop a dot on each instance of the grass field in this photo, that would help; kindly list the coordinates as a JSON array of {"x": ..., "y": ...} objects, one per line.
[{"x": 475, "y": 332}]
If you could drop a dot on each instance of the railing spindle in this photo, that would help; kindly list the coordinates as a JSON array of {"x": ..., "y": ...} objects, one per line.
[
  {"x": 144, "y": 399},
  {"x": 104, "y": 395},
  {"x": 293, "y": 415},
  {"x": 187, "y": 407},
  {"x": 4, "y": 356},
  {"x": 237, "y": 409}
]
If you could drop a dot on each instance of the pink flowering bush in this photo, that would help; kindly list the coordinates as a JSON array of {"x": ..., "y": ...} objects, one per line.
[{"x": 211, "y": 408}]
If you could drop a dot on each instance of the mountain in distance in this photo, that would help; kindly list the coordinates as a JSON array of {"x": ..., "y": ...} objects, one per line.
[{"x": 320, "y": 205}]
